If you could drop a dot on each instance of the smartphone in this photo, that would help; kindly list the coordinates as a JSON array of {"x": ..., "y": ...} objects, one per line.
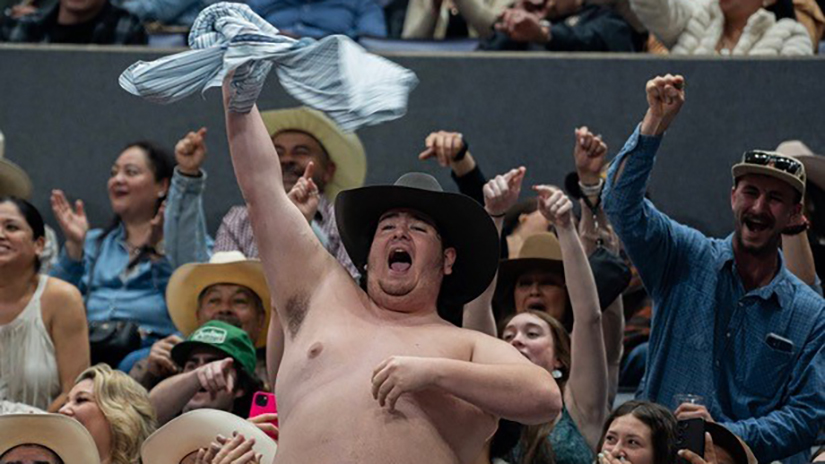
[
  {"x": 264, "y": 403},
  {"x": 690, "y": 435}
]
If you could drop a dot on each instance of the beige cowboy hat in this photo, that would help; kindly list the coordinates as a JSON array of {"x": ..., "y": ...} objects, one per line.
[
  {"x": 814, "y": 163},
  {"x": 65, "y": 436},
  {"x": 13, "y": 179},
  {"x": 225, "y": 267},
  {"x": 540, "y": 251},
  {"x": 197, "y": 429},
  {"x": 344, "y": 149}
]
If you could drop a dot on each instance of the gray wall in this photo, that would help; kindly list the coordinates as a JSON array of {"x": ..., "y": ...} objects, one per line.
[{"x": 65, "y": 120}]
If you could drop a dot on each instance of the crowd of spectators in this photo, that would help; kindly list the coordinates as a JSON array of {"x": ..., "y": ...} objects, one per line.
[
  {"x": 680, "y": 27},
  {"x": 164, "y": 345}
]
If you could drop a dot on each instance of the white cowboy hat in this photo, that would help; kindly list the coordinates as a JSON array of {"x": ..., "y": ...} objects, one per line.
[
  {"x": 344, "y": 149},
  {"x": 225, "y": 267},
  {"x": 814, "y": 163},
  {"x": 65, "y": 436},
  {"x": 13, "y": 179},
  {"x": 197, "y": 429}
]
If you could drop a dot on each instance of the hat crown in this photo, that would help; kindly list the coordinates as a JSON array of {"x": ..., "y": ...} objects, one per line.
[
  {"x": 419, "y": 180},
  {"x": 226, "y": 257},
  {"x": 543, "y": 245}
]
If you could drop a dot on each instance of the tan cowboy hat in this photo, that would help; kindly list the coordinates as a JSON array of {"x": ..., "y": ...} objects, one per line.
[
  {"x": 344, "y": 149},
  {"x": 65, "y": 436},
  {"x": 13, "y": 179},
  {"x": 540, "y": 251},
  {"x": 197, "y": 429},
  {"x": 225, "y": 267},
  {"x": 814, "y": 163}
]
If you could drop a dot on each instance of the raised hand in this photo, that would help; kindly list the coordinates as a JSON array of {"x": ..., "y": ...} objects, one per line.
[
  {"x": 160, "y": 362},
  {"x": 305, "y": 193},
  {"x": 443, "y": 146},
  {"x": 554, "y": 205},
  {"x": 502, "y": 191},
  {"x": 73, "y": 223},
  {"x": 665, "y": 96},
  {"x": 190, "y": 152},
  {"x": 217, "y": 375},
  {"x": 397, "y": 375},
  {"x": 589, "y": 154}
]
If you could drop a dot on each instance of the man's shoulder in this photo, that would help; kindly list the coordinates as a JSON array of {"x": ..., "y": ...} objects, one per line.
[{"x": 27, "y": 28}]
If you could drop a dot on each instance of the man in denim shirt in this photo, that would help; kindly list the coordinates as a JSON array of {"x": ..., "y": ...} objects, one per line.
[{"x": 731, "y": 323}]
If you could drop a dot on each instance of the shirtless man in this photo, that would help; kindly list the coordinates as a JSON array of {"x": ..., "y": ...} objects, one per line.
[{"x": 377, "y": 376}]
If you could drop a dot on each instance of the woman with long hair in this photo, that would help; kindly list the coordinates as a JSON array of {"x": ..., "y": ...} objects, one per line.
[
  {"x": 115, "y": 410},
  {"x": 43, "y": 337}
]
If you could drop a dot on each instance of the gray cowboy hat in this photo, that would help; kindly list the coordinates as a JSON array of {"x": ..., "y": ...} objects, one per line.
[{"x": 462, "y": 223}]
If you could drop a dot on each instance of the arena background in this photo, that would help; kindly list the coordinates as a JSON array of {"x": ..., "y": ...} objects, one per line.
[{"x": 65, "y": 119}]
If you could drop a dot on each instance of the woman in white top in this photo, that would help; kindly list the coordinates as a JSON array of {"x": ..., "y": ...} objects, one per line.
[{"x": 44, "y": 342}]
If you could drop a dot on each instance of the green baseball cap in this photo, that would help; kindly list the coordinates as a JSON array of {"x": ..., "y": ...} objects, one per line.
[{"x": 224, "y": 337}]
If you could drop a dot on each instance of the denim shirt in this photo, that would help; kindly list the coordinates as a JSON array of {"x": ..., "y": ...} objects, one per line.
[
  {"x": 139, "y": 294},
  {"x": 710, "y": 337},
  {"x": 320, "y": 18}
]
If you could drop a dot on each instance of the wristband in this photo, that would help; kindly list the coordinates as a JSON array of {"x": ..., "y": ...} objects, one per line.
[
  {"x": 463, "y": 152},
  {"x": 591, "y": 190}
]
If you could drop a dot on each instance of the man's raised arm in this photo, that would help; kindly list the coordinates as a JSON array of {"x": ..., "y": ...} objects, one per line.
[{"x": 292, "y": 257}]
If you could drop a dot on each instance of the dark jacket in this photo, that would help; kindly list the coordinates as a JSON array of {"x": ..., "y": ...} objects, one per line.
[{"x": 591, "y": 29}]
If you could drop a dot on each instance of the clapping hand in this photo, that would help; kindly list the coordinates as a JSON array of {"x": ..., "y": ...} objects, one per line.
[{"x": 73, "y": 223}]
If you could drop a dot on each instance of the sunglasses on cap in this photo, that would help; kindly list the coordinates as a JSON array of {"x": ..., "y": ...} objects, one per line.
[{"x": 782, "y": 163}]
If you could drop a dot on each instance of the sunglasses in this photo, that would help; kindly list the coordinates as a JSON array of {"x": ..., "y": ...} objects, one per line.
[{"x": 782, "y": 163}]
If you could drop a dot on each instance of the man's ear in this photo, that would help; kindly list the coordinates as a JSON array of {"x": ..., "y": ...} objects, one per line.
[
  {"x": 449, "y": 260},
  {"x": 329, "y": 173}
]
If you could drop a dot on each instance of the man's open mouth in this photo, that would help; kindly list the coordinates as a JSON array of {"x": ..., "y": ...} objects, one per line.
[{"x": 400, "y": 260}]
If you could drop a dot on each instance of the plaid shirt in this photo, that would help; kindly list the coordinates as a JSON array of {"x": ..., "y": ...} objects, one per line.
[
  {"x": 113, "y": 26},
  {"x": 235, "y": 233},
  {"x": 711, "y": 337}
]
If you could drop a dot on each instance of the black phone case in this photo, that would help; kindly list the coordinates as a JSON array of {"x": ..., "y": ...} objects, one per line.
[{"x": 690, "y": 435}]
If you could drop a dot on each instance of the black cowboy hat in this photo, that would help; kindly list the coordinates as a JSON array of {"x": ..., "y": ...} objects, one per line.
[{"x": 461, "y": 221}]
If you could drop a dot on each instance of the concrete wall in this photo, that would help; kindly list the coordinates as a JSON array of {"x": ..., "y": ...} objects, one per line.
[{"x": 66, "y": 119}]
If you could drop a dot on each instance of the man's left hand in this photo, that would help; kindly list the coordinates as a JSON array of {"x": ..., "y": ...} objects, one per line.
[
  {"x": 522, "y": 26},
  {"x": 397, "y": 375},
  {"x": 692, "y": 411}
]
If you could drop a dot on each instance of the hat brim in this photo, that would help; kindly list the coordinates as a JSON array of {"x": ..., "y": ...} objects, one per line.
[
  {"x": 508, "y": 272},
  {"x": 814, "y": 169},
  {"x": 742, "y": 169},
  {"x": 14, "y": 181},
  {"x": 63, "y": 435},
  {"x": 461, "y": 221},
  {"x": 190, "y": 280},
  {"x": 197, "y": 429},
  {"x": 344, "y": 149}
]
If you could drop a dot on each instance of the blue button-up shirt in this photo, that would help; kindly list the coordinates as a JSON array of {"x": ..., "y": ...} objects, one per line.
[
  {"x": 114, "y": 292},
  {"x": 712, "y": 338},
  {"x": 320, "y": 18}
]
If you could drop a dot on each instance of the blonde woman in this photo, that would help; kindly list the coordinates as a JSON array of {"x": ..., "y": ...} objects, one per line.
[{"x": 115, "y": 410}]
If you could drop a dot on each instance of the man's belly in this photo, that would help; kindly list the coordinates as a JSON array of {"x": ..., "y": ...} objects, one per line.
[{"x": 335, "y": 420}]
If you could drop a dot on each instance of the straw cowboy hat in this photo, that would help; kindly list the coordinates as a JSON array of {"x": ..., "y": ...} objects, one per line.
[
  {"x": 13, "y": 180},
  {"x": 344, "y": 149},
  {"x": 226, "y": 267},
  {"x": 66, "y": 437},
  {"x": 814, "y": 163},
  {"x": 460, "y": 220},
  {"x": 197, "y": 429}
]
